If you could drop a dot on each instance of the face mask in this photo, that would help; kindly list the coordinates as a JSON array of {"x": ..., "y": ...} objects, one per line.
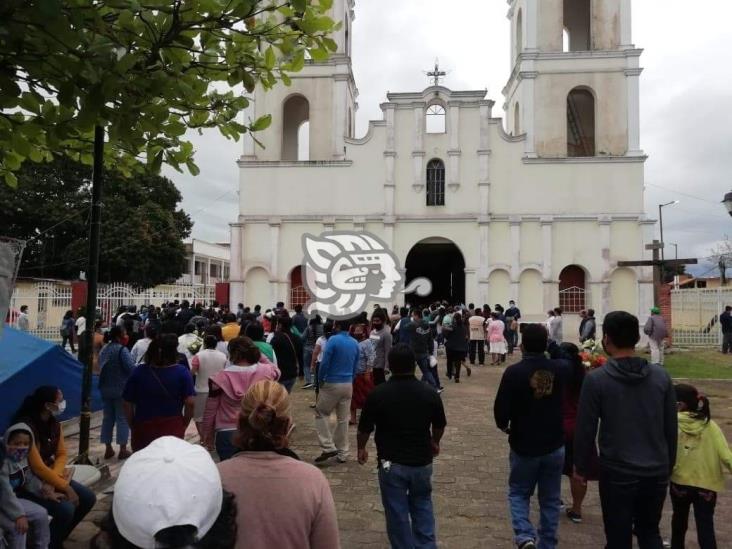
[
  {"x": 17, "y": 454},
  {"x": 60, "y": 408}
]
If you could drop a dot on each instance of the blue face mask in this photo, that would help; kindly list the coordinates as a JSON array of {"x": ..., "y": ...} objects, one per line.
[{"x": 17, "y": 454}]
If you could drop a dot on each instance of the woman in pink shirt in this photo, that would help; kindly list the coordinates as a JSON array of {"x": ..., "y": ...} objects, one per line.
[
  {"x": 497, "y": 342},
  {"x": 281, "y": 501},
  {"x": 227, "y": 388}
]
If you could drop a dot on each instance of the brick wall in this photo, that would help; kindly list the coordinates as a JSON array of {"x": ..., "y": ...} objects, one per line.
[{"x": 664, "y": 296}]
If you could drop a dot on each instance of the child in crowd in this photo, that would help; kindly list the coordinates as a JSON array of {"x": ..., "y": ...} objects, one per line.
[
  {"x": 698, "y": 475},
  {"x": 16, "y": 478}
]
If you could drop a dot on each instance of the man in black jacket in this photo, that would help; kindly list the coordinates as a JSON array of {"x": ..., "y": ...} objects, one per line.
[
  {"x": 725, "y": 319},
  {"x": 635, "y": 404},
  {"x": 287, "y": 349},
  {"x": 422, "y": 343},
  {"x": 528, "y": 407}
]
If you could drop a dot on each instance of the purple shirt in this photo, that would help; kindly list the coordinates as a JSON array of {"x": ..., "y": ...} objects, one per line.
[{"x": 158, "y": 392}]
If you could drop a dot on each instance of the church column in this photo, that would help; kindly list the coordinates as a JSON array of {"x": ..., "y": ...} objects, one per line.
[
  {"x": 532, "y": 17},
  {"x": 515, "y": 230},
  {"x": 527, "y": 104},
  {"x": 551, "y": 287},
  {"x": 484, "y": 227},
  {"x": 626, "y": 30},
  {"x": 249, "y": 115},
  {"x": 418, "y": 154},
  {"x": 236, "y": 274},
  {"x": 604, "y": 283},
  {"x": 484, "y": 155},
  {"x": 645, "y": 274},
  {"x": 275, "y": 286},
  {"x": 340, "y": 115},
  {"x": 632, "y": 77},
  {"x": 453, "y": 130},
  {"x": 389, "y": 181}
]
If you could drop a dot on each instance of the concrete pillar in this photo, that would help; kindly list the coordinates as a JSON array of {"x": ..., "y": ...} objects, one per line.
[
  {"x": 236, "y": 269},
  {"x": 527, "y": 104},
  {"x": 632, "y": 77}
]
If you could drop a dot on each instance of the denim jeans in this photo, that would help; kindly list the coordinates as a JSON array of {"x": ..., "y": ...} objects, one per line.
[
  {"x": 224, "y": 446},
  {"x": 288, "y": 384},
  {"x": 64, "y": 514},
  {"x": 114, "y": 414},
  {"x": 630, "y": 505},
  {"x": 406, "y": 493},
  {"x": 526, "y": 473},
  {"x": 424, "y": 367},
  {"x": 307, "y": 358}
]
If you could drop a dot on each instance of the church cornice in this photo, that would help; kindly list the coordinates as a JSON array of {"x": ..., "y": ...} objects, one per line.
[
  {"x": 294, "y": 164},
  {"x": 587, "y": 160}
]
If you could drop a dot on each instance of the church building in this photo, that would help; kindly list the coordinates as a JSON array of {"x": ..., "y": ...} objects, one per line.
[{"x": 535, "y": 199}]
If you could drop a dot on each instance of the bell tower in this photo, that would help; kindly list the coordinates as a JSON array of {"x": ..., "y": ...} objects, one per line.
[
  {"x": 312, "y": 116},
  {"x": 574, "y": 84}
]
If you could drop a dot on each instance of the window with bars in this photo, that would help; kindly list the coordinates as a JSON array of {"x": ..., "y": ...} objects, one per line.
[
  {"x": 436, "y": 119},
  {"x": 436, "y": 183},
  {"x": 572, "y": 289}
]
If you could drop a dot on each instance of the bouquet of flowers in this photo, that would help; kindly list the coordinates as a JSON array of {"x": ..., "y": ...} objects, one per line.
[
  {"x": 590, "y": 353},
  {"x": 195, "y": 345}
]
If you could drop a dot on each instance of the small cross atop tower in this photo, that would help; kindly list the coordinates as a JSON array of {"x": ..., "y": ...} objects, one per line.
[{"x": 436, "y": 73}]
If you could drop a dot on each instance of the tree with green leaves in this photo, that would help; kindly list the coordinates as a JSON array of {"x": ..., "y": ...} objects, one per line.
[
  {"x": 142, "y": 230},
  {"x": 144, "y": 70}
]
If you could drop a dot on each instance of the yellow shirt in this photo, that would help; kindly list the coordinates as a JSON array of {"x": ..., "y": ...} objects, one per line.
[
  {"x": 230, "y": 331},
  {"x": 702, "y": 454}
]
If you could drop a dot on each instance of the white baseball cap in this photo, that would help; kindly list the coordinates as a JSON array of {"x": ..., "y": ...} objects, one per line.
[{"x": 169, "y": 483}]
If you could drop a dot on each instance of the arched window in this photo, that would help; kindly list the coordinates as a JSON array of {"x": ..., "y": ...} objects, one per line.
[
  {"x": 303, "y": 141},
  {"x": 577, "y": 24},
  {"x": 436, "y": 119},
  {"x": 581, "y": 123},
  {"x": 298, "y": 293},
  {"x": 436, "y": 182},
  {"x": 572, "y": 289},
  {"x": 516, "y": 119},
  {"x": 519, "y": 33},
  {"x": 295, "y": 127}
]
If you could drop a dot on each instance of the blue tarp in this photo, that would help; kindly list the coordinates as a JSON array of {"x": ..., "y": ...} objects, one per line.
[{"x": 27, "y": 362}]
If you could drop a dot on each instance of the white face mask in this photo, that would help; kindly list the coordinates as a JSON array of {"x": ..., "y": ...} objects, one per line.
[{"x": 60, "y": 408}]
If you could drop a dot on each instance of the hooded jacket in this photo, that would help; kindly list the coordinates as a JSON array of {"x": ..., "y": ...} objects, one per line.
[
  {"x": 703, "y": 454},
  {"x": 14, "y": 476},
  {"x": 635, "y": 404},
  {"x": 228, "y": 387}
]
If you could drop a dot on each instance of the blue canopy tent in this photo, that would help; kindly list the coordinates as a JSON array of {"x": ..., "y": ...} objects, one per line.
[{"x": 27, "y": 362}]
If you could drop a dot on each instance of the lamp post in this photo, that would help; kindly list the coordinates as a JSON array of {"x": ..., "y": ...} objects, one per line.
[
  {"x": 728, "y": 202},
  {"x": 660, "y": 222}
]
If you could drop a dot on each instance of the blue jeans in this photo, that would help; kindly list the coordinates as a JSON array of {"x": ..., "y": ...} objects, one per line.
[
  {"x": 526, "y": 473},
  {"x": 424, "y": 367},
  {"x": 65, "y": 515},
  {"x": 307, "y": 358},
  {"x": 288, "y": 384},
  {"x": 406, "y": 493},
  {"x": 224, "y": 445},
  {"x": 114, "y": 414}
]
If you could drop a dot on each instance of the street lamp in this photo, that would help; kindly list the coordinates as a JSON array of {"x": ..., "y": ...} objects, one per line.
[
  {"x": 660, "y": 222},
  {"x": 728, "y": 202}
]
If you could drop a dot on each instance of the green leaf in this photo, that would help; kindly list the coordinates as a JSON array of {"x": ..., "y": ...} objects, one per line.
[
  {"x": 126, "y": 63},
  {"x": 11, "y": 180},
  {"x": 299, "y": 5},
  {"x": 262, "y": 123},
  {"x": 192, "y": 167},
  {"x": 269, "y": 58}
]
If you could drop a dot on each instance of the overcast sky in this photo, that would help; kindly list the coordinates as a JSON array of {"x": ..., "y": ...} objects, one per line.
[{"x": 686, "y": 101}]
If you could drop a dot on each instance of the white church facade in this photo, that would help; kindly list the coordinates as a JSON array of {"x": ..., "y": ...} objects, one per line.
[{"x": 537, "y": 205}]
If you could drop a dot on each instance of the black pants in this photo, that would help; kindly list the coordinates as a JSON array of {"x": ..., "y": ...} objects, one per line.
[
  {"x": 704, "y": 501},
  {"x": 727, "y": 343},
  {"x": 511, "y": 340},
  {"x": 379, "y": 376},
  {"x": 478, "y": 345},
  {"x": 70, "y": 339},
  {"x": 630, "y": 505}
]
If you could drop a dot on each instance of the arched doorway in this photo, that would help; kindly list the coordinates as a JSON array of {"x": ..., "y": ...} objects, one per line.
[
  {"x": 298, "y": 293},
  {"x": 442, "y": 263}
]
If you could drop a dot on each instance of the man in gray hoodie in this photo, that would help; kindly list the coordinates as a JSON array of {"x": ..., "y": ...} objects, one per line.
[
  {"x": 635, "y": 404},
  {"x": 19, "y": 516}
]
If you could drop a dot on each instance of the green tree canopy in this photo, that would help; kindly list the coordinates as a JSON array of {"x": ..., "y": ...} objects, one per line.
[
  {"x": 142, "y": 227},
  {"x": 145, "y": 70}
]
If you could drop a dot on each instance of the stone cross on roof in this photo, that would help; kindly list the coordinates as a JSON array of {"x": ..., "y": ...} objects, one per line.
[{"x": 436, "y": 73}]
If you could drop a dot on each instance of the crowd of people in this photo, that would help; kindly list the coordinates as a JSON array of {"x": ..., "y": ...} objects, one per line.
[{"x": 231, "y": 373}]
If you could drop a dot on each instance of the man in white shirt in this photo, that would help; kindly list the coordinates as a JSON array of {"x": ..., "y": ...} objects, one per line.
[
  {"x": 23, "y": 323},
  {"x": 476, "y": 323},
  {"x": 139, "y": 349}
]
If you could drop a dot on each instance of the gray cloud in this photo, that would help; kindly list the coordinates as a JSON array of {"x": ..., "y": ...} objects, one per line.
[{"x": 686, "y": 105}]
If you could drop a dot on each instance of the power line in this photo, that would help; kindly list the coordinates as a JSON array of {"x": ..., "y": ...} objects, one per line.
[{"x": 687, "y": 195}]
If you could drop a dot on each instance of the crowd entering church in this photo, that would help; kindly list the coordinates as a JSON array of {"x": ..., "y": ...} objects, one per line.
[{"x": 232, "y": 372}]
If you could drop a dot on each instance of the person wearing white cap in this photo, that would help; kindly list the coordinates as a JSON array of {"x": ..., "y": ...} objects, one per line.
[
  {"x": 282, "y": 502},
  {"x": 169, "y": 495}
]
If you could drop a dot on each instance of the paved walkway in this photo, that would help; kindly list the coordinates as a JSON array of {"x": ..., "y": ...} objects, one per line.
[{"x": 469, "y": 482}]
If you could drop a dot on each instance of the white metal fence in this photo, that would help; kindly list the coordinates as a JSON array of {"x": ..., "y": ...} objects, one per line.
[
  {"x": 695, "y": 315},
  {"x": 47, "y": 301}
]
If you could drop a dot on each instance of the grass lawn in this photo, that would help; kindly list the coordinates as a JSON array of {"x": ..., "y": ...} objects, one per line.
[{"x": 699, "y": 364}]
